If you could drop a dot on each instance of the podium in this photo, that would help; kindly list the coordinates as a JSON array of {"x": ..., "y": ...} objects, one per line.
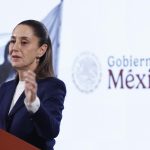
[{"x": 11, "y": 142}]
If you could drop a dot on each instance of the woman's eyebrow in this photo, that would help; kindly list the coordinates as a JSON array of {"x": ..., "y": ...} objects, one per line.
[
  {"x": 22, "y": 37},
  {"x": 12, "y": 37}
]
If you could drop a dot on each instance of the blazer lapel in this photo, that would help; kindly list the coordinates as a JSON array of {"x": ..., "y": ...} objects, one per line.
[
  {"x": 5, "y": 105},
  {"x": 18, "y": 105},
  {"x": 10, "y": 94}
]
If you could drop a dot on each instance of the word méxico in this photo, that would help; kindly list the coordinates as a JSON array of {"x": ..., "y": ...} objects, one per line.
[{"x": 128, "y": 79}]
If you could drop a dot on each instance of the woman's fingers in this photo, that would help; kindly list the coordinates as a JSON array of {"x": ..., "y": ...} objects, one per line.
[{"x": 30, "y": 85}]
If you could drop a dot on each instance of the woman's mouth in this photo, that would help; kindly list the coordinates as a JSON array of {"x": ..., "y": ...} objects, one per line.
[{"x": 15, "y": 57}]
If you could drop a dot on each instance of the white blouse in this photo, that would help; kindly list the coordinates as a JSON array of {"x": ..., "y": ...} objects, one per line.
[{"x": 31, "y": 107}]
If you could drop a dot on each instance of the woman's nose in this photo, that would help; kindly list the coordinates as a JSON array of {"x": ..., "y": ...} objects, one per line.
[{"x": 16, "y": 46}]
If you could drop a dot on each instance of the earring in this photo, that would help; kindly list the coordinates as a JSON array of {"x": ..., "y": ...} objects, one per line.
[{"x": 37, "y": 59}]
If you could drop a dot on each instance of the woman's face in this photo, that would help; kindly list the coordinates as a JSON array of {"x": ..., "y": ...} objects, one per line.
[{"x": 24, "y": 48}]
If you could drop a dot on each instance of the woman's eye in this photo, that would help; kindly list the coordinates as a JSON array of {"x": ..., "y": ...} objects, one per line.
[
  {"x": 12, "y": 41},
  {"x": 24, "y": 42}
]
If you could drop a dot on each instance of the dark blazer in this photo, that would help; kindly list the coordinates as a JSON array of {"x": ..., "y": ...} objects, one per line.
[{"x": 40, "y": 128}]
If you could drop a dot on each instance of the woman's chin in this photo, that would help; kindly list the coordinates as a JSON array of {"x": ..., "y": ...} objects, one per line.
[{"x": 17, "y": 66}]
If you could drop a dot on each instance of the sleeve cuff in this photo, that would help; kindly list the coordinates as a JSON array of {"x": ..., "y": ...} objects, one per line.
[{"x": 32, "y": 107}]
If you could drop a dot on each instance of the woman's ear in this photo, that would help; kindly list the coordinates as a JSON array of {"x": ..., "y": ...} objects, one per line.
[{"x": 42, "y": 50}]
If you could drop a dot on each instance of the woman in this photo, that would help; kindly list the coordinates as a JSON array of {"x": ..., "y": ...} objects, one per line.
[{"x": 31, "y": 105}]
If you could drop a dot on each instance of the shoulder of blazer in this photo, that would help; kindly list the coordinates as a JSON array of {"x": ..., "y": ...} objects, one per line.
[
  {"x": 7, "y": 87},
  {"x": 52, "y": 82},
  {"x": 8, "y": 83},
  {"x": 48, "y": 82}
]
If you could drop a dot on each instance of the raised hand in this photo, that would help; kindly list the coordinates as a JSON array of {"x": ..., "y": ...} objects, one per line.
[{"x": 30, "y": 86}]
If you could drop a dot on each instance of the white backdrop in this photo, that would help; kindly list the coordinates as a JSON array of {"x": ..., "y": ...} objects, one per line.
[{"x": 104, "y": 60}]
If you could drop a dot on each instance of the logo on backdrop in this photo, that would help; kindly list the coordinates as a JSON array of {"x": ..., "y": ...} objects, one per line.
[{"x": 86, "y": 72}]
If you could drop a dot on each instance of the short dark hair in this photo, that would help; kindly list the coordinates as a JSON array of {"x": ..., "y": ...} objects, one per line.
[{"x": 45, "y": 67}]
